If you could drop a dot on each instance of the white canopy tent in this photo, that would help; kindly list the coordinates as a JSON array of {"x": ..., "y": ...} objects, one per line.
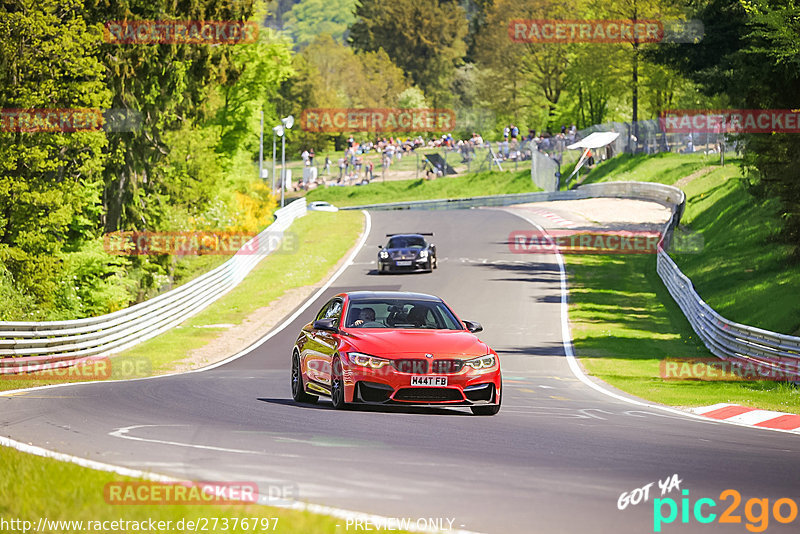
[{"x": 592, "y": 141}]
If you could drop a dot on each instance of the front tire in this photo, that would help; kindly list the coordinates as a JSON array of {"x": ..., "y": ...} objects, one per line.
[
  {"x": 337, "y": 385},
  {"x": 489, "y": 409},
  {"x": 298, "y": 392}
]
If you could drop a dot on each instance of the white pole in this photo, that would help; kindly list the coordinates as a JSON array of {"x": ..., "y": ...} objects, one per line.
[
  {"x": 261, "y": 149},
  {"x": 273, "y": 160},
  {"x": 283, "y": 165}
]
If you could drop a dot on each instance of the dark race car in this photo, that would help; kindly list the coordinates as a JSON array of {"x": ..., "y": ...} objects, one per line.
[
  {"x": 394, "y": 348},
  {"x": 407, "y": 252}
]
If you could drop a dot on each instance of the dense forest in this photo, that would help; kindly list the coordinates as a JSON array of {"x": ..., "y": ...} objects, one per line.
[{"x": 190, "y": 162}]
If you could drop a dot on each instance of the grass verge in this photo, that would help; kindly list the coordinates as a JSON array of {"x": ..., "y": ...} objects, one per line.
[
  {"x": 60, "y": 491},
  {"x": 664, "y": 167},
  {"x": 469, "y": 185},
  {"x": 316, "y": 253},
  {"x": 624, "y": 321}
]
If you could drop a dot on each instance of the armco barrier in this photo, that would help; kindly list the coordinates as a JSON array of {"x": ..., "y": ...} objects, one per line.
[
  {"x": 65, "y": 343},
  {"x": 724, "y": 338}
]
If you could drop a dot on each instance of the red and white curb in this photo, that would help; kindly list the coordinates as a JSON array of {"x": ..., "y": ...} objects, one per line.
[
  {"x": 554, "y": 218},
  {"x": 734, "y": 413}
]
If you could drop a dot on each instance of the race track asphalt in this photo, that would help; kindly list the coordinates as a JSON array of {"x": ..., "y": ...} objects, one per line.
[{"x": 555, "y": 459}]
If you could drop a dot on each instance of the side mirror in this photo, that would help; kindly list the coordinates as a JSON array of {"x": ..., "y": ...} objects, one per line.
[
  {"x": 473, "y": 326},
  {"x": 380, "y": 246},
  {"x": 326, "y": 324}
]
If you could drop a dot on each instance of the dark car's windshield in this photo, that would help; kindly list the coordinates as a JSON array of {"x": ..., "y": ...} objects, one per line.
[
  {"x": 406, "y": 242},
  {"x": 401, "y": 313}
]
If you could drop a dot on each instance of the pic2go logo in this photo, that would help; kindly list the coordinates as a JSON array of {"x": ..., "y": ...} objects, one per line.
[{"x": 756, "y": 511}]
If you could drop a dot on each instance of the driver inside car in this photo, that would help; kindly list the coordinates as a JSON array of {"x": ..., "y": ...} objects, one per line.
[{"x": 367, "y": 319}]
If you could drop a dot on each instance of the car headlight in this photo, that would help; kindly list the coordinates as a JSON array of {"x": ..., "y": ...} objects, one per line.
[
  {"x": 383, "y": 254},
  {"x": 365, "y": 360},
  {"x": 423, "y": 254},
  {"x": 484, "y": 362}
]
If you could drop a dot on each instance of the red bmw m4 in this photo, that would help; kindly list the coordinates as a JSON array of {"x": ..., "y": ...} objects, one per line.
[{"x": 394, "y": 348}]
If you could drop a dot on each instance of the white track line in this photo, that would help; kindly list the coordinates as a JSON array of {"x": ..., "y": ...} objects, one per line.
[
  {"x": 580, "y": 375},
  {"x": 262, "y": 499}
]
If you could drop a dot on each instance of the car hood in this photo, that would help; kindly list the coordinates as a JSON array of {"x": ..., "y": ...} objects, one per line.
[{"x": 390, "y": 342}]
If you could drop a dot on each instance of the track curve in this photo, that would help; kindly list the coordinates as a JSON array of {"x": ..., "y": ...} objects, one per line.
[{"x": 555, "y": 459}]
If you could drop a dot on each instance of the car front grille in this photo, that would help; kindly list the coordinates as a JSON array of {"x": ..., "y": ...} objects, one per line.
[
  {"x": 428, "y": 395},
  {"x": 411, "y": 366},
  {"x": 443, "y": 367}
]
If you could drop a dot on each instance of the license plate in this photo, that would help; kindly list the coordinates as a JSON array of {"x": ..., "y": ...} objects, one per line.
[
  {"x": 403, "y": 263},
  {"x": 429, "y": 381}
]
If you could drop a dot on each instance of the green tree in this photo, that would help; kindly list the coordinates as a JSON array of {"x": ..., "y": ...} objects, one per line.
[
  {"x": 329, "y": 74},
  {"x": 310, "y": 18},
  {"x": 169, "y": 84},
  {"x": 751, "y": 55},
  {"x": 636, "y": 10},
  {"x": 424, "y": 39},
  {"x": 518, "y": 80},
  {"x": 50, "y": 183}
]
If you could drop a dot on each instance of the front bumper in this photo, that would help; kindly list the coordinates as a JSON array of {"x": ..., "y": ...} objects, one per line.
[
  {"x": 391, "y": 265},
  {"x": 470, "y": 388}
]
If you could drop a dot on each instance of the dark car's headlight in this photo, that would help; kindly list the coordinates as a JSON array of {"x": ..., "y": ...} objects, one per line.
[
  {"x": 423, "y": 254},
  {"x": 365, "y": 360},
  {"x": 383, "y": 255},
  {"x": 484, "y": 362}
]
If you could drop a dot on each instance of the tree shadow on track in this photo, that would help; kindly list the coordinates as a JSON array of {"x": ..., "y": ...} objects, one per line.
[
  {"x": 324, "y": 405},
  {"x": 536, "y": 272},
  {"x": 547, "y": 349}
]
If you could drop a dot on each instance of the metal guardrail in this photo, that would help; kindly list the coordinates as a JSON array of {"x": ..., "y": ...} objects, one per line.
[
  {"x": 65, "y": 343},
  {"x": 469, "y": 202},
  {"x": 724, "y": 338}
]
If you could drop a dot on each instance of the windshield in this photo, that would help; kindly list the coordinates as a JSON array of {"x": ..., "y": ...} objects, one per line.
[
  {"x": 406, "y": 242},
  {"x": 401, "y": 313}
]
